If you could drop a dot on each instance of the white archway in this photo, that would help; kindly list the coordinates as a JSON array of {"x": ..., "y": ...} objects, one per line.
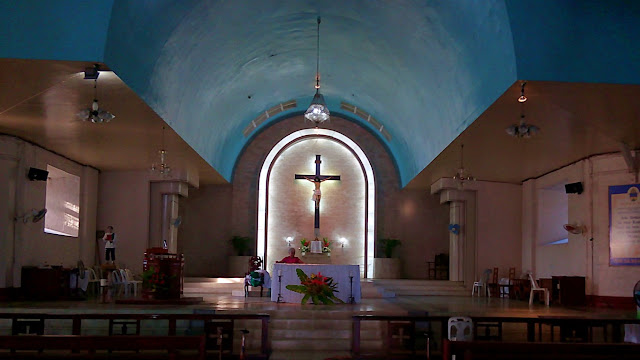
[{"x": 370, "y": 187}]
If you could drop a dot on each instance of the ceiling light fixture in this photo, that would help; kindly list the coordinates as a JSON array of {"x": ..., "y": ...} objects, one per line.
[
  {"x": 462, "y": 175},
  {"x": 318, "y": 112},
  {"x": 162, "y": 168},
  {"x": 522, "y": 98},
  {"x": 522, "y": 129},
  {"x": 94, "y": 113}
]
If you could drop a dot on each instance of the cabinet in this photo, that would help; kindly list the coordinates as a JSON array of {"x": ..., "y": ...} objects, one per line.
[
  {"x": 568, "y": 290},
  {"x": 50, "y": 283}
]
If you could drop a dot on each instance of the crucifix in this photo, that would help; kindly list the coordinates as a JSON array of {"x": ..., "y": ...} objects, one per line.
[{"x": 317, "y": 179}]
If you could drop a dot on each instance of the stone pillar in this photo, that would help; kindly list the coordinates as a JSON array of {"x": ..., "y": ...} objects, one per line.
[
  {"x": 456, "y": 241},
  {"x": 170, "y": 204},
  {"x": 462, "y": 246},
  {"x": 164, "y": 201}
]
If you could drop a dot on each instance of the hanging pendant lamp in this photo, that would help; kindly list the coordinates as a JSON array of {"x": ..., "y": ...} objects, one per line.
[{"x": 318, "y": 112}]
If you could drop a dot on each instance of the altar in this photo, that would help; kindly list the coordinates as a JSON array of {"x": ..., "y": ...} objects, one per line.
[
  {"x": 311, "y": 258},
  {"x": 339, "y": 273}
]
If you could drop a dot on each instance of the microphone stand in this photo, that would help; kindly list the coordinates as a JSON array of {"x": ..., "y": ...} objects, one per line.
[
  {"x": 352, "y": 300},
  {"x": 279, "y": 300}
]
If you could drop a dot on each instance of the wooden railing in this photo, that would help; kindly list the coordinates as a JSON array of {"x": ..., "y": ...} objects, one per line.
[
  {"x": 468, "y": 350},
  {"x": 35, "y": 322},
  {"x": 566, "y": 324},
  {"x": 87, "y": 346}
]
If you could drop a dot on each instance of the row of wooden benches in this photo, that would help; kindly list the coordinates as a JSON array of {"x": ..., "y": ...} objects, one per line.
[
  {"x": 91, "y": 346},
  {"x": 409, "y": 328}
]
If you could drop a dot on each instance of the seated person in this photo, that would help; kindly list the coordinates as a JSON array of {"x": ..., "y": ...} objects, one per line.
[{"x": 291, "y": 259}]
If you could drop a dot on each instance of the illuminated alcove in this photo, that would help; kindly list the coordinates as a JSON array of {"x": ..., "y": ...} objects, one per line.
[{"x": 286, "y": 210}]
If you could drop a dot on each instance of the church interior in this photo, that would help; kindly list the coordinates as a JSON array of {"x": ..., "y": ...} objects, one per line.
[{"x": 465, "y": 161}]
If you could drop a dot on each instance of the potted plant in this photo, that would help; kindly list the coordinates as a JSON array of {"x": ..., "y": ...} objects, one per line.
[
  {"x": 385, "y": 265},
  {"x": 241, "y": 245},
  {"x": 238, "y": 264}
]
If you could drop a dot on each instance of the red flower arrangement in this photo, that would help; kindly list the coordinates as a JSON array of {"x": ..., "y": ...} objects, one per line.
[
  {"x": 158, "y": 282},
  {"x": 317, "y": 287}
]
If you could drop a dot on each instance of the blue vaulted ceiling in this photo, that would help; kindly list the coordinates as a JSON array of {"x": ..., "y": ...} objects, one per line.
[{"x": 425, "y": 69}]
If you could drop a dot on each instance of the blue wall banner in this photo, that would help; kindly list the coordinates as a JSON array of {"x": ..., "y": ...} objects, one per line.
[{"x": 624, "y": 225}]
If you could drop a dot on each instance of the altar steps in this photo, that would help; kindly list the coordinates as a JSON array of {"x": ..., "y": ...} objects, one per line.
[
  {"x": 209, "y": 287},
  {"x": 312, "y": 334},
  {"x": 406, "y": 287},
  {"x": 371, "y": 289}
]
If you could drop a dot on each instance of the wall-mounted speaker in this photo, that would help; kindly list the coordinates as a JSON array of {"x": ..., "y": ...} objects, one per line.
[
  {"x": 37, "y": 174},
  {"x": 574, "y": 188}
]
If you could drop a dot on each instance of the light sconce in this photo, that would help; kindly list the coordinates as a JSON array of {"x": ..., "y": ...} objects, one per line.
[
  {"x": 343, "y": 242},
  {"x": 289, "y": 239}
]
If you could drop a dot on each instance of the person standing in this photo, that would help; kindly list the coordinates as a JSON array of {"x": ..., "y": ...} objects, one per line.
[
  {"x": 292, "y": 258},
  {"x": 109, "y": 239}
]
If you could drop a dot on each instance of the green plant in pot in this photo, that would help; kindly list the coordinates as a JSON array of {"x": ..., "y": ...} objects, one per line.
[
  {"x": 241, "y": 245},
  {"x": 388, "y": 245}
]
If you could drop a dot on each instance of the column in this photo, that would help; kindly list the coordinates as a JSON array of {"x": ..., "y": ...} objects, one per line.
[{"x": 456, "y": 241}]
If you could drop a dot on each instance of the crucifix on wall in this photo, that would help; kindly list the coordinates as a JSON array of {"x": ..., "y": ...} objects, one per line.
[{"x": 317, "y": 179}]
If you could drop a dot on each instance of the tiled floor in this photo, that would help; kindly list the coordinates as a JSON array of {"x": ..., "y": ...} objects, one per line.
[{"x": 433, "y": 305}]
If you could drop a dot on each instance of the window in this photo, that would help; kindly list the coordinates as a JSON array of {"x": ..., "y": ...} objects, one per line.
[{"x": 62, "y": 203}]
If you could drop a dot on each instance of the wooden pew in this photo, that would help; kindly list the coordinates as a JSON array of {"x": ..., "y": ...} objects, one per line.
[
  {"x": 87, "y": 346},
  {"x": 21, "y": 320},
  {"x": 468, "y": 350}
]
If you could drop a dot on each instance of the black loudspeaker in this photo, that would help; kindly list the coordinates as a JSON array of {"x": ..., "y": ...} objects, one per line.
[
  {"x": 574, "y": 188},
  {"x": 37, "y": 174}
]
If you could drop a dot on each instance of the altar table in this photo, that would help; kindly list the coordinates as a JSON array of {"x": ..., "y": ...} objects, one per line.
[{"x": 339, "y": 273}]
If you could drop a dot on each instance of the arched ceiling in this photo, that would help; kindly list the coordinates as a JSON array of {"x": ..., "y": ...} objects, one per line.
[{"x": 425, "y": 70}]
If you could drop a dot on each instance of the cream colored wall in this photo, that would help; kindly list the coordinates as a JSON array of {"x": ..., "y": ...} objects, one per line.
[
  {"x": 29, "y": 245},
  {"x": 591, "y": 208},
  {"x": 205, "y": 233},
  {"x": 553, "y": 213},
  {"x": 342, "y": 208},
  {"x": 498, "y": 226},
  {"x": 124, "y": 204}
]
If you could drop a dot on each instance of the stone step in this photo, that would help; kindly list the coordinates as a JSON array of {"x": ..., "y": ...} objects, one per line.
[
  {"x": 413, "y": 282},
  {"x": 304, "y": 324},
  {"x": 311, "y": 345},
  {"x": 406, "y": 287},
  {"x": 307, "y": 355},
  {"x": 428, "y": 292}
]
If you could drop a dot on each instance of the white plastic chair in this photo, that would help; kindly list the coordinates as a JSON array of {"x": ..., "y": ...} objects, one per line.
[
  {"x": 460, "y": 329},
  {"x": 129, "y": 281},
  {"x": 115, "y": 279},
  {"x": 481, "y": 284},
  {"x": 94, "y": 281},
  {"x": 535, "y": 287}
]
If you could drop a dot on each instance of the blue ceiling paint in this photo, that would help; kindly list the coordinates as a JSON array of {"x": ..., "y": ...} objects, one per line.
[
  {"x": 54, "y": 30},
  {"x": 577, "y": 40},
  {"x": 425, "y": 70}
]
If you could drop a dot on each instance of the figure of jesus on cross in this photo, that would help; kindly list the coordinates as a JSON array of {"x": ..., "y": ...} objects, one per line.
[{"x": 317, "y": 179}]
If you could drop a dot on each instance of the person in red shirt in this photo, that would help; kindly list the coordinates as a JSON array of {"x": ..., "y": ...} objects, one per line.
[{"x": 291, "y": 259}]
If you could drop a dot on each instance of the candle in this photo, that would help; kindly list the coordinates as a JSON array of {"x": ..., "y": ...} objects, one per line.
[{"x": 279, "y": 272}]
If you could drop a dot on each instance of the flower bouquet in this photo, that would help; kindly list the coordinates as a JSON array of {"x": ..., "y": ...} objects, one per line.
[
  {"x": 320, "y": 289},
  {"x": 326, "y": 246},
  {"x": 305, "y": 246},
  {"x": 158, "y": 282}
]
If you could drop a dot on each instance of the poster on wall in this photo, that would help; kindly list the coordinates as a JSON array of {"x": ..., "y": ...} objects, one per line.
[{"x": 624, "y": 225}]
